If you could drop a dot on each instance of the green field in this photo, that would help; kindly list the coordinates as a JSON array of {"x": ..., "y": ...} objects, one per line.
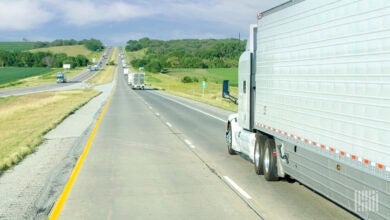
[
  {"x": 11, "y": 74},
  {"x": 216, "y": 75},
  {"x": 16, "y": 46}
]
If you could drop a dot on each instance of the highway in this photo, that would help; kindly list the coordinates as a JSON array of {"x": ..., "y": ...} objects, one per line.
[{"x": 156, "y": 156}]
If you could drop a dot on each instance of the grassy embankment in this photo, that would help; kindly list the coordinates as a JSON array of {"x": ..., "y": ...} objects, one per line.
[
  {"x": 105, "y": 75},
  {"x": 171, "y": 83},
  {"x": 24, "y": 120}
]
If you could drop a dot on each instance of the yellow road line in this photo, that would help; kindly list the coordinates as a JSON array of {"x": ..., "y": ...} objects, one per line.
[{"x": 55, "y": 213}]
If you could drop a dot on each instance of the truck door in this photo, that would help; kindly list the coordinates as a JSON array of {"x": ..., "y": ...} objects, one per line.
[{"x": 246, "y": 83}]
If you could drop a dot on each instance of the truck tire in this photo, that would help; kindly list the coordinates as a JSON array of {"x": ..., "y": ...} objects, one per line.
[
  {"x": 258, "y": 155},
  {"x": 229, "y": 140},
  {"x": 269, "y": 161}
]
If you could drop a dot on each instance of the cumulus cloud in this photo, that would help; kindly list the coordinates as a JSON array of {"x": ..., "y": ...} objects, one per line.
[
  {"x": 88, "y": 12},
  {"x": 22, "y": 15}
]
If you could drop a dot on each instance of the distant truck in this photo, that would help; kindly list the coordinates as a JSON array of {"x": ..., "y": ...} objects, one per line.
[
  {"x": 61, "y": 77},
  {"x": 314, "y": 101},
  {"x": 136, "y": 80}
]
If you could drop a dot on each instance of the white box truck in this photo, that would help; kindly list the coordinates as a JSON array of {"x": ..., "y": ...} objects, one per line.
[
  {"x": 137, "y": 80},
  {"x": 314, "y": 100}
]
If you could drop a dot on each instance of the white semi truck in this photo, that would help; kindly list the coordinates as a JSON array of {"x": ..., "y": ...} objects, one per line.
[
  {"x": 314, "y": 100},
  {"x": 136, "y": 80}
]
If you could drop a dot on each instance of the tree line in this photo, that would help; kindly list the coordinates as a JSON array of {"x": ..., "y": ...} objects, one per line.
[
  {"x": 40, "y": 59},
  {"x": 91, "y": 44},
  {"x": 188, "y": 53}
]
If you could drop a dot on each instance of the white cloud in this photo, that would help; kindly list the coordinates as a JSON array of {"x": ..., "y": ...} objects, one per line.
[
  {"x": 88, "y": 12},
  {"x": 227, "y": 12},
  {"x": 22, "y": 15}
]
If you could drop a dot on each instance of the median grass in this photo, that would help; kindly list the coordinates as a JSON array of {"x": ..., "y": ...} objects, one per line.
[
  {"x": 113, "y": 55},
  {"x": 24, "y": 120},
  {"x": 104, "y": 76}
]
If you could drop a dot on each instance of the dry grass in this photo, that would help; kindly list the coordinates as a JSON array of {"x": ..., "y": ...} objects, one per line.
[
  {"x": 105, "y": 75},
  {"x": 114, "y": 54},
  {"x": 24, "y": 120}
]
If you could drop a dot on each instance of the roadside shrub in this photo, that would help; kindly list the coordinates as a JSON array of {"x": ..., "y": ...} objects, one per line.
[
  {"x": 195, "y": 79},
  {"x": 204, "y": 78},
  {"x": 186, "y": 79}
]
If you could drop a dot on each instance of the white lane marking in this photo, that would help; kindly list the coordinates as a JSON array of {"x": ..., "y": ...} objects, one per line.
[
  {"x": 169, "y": 124},
  {"x": 195, "y": 109},
  {"x": 150, "y": 107},
  {"x": 189, "y": 143},
  {"x": 235, "y": 186},
  {"x": 158, "y": 114}
]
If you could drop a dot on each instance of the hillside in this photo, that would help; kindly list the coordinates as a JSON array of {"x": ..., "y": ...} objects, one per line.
[
  {"x": 73, "y": 50},
  {"x": 187, "y": 53}
]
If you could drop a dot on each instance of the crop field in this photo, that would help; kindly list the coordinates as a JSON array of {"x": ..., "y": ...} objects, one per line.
[
  {"x": 12, "y": 74},
  {"x": 16, "y": 46}
]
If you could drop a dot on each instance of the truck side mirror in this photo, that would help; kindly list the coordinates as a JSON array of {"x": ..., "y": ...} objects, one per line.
[{"x": 225, "y": 89}]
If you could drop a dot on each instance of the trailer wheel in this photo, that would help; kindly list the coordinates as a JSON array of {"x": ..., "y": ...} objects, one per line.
[
  {"x": 269, "y": 162},
  {"x": 258, "y": 156},
  {"x": 229, "y": 140}
]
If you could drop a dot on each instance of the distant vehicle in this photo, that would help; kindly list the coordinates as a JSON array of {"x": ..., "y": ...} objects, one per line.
[
  {"x": 138, "y": 80},
  {"x": 61, "y": 77},
  {"x": 125, "y": 71},
  {"x": 314, "y": 98},
  {"x": 95, "y": 68},
  {"x": 89, "y": 67}
]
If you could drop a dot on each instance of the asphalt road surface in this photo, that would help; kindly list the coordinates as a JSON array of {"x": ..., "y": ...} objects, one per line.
[{"x": 156, "y": 156}]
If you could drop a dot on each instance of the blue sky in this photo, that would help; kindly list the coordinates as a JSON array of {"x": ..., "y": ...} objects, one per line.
[{"x": 114, "y": 22}]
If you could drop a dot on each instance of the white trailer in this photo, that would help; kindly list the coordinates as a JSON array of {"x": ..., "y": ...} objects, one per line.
[
  {"x": 130, "y": 78},
  {"x": 314, "y": 100},
  {"x": 138, "y": 80}
]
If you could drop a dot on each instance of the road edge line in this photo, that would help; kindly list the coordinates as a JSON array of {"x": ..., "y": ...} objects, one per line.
[{"x": 56, "y": 211}]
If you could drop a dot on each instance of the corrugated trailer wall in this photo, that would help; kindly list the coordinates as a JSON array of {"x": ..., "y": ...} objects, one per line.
[
  {"x": 323, "y": 74},
  {"x": 323, "y": 87}
]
